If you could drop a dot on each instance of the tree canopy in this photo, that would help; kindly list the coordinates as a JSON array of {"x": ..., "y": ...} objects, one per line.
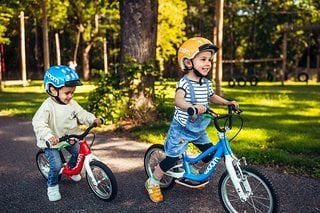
[{"x": 252, "y": 30}]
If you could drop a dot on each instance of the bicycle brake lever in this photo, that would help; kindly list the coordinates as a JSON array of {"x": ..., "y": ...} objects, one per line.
[
  {"x": 237, "y": 111},
  {"x": 234, "y": 109}
]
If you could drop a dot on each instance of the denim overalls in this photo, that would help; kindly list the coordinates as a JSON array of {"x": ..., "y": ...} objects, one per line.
[{"x": 179, "y": 136}]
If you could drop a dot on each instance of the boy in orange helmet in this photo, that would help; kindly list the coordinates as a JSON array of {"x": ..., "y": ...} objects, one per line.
[{"x": 192, "y": 91}]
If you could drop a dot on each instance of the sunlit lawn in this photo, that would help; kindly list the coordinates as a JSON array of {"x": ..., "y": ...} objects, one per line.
[
  {"x": 24, "y": 101},
  {"x": 281, "y": 123}
]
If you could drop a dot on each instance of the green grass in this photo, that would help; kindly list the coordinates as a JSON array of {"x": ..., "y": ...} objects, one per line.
[
  {"x": 281, "y": 123},
  {"x": 24, "y": 101},
  {"x": 281, "y": 126}
]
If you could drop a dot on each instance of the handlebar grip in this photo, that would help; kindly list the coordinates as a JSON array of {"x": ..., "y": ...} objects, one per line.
[
  {"x": 102, "y": 121},
  {"x": 192, "y": 111},
  {"x": 232, "y": 107},
  {"x": 48, "y": 144}
]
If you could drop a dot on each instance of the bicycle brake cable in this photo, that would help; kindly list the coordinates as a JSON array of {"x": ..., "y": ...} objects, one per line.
[
  {"x": 93, "y": 138},
  {"x": 241, "y": 125}
]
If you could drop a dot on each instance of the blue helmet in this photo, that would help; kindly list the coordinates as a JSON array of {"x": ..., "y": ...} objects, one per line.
[{"x": 60, "y": 76}]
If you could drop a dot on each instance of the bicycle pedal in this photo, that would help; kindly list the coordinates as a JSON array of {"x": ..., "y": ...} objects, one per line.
[{"x": 192, "y": 184}]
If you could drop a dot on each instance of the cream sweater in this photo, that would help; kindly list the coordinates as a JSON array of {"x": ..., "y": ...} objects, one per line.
[{"x": 53, "y": 119}]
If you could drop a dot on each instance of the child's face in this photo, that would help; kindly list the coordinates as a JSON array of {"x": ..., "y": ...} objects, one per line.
[
  {"x": 203, "y": 62},
  {"x": 66, "y": 94}
]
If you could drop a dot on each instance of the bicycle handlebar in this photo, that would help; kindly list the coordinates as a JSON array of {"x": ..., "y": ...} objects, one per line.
[
  {"x": 231, "y": 109},
  {"x": 192, "y": 111},
  {"x": 80, "y": 137}
]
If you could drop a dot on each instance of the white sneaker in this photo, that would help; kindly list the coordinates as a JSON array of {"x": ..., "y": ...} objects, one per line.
[
  {"x": 53, "y": 193},
  {"x": 76, "y": 177}
]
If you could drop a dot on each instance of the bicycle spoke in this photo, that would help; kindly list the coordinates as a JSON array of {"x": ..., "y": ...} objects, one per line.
[{"x": 261, "y": 199}]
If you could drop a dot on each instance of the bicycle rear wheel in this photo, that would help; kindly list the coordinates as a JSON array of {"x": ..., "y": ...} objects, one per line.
[
  {"x": 43, "y": 164},
  {"x": 262, "y": 199},
  {"x": 107, "y": 187},
  {"x": 153, "y": 156}
]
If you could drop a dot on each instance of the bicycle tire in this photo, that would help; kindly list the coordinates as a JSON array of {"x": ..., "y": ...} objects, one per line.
[
  {"x": 303, "y": 77},
  {"x": 263, "y": 199},
  {"x": 232, "y": 82},
  {"x": 242, "y": 81},
  {"x": 107, "y": 188},
  {"x": 43, "y": 164},
  {"x": 153, "y": 156},
  {"x": 270, "y": 76},
  {"x": 254, "y": 80}
]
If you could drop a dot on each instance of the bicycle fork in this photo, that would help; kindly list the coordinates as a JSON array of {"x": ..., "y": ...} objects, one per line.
[
  {"x": 90, "y": 157},
  {"x": 240, "y": 181}
]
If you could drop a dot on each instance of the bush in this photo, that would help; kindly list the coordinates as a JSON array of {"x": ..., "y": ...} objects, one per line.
[
  {"x": 108, "y": 100},
  {"x": 134, "y": 99}
]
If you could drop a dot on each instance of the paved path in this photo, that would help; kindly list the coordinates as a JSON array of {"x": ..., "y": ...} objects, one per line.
[{"x": 23, "y": 189}]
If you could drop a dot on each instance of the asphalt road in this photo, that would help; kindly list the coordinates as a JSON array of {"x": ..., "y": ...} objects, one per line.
[{"x": 23, "y": 189}]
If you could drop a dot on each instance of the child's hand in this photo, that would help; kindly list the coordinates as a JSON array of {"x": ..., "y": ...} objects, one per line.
[
  {"x": 54, "y": 140},
  {"x": 201, "y": 109},
  {"x": 234, "y": 103},
  {"x": 98, "y": 121}
]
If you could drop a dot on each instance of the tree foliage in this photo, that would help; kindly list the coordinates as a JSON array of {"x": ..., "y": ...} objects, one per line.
[
  {"x": 6, "y": 13},
  {"x": 171, "y": 29},
  {"x": 90, "y": 20},
  {"x": 253, "y": 29}
]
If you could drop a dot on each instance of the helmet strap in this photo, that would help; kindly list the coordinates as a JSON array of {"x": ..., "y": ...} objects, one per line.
[
  {"x": 58, "y": 100},
  {"x": 197, "y": 73}
]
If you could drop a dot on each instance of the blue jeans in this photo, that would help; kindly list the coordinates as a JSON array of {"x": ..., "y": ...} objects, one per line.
[
  {"x": 55, "y": 162},
  {"x": 179, "y": 137}
]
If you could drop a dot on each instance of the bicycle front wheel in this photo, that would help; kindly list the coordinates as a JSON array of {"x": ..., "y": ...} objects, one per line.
[
  {"x": 262, "y": 199},
  {"x": 153, "y": 156},
  {"x": 107, "y": 187},
  {"x": 43, "y": 164}
]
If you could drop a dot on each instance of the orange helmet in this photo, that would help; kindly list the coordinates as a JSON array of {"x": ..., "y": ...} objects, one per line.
[{"x": 192, "y": 47}]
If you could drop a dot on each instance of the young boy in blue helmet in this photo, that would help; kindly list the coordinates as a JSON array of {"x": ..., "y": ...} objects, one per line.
[
  {"x": 59, "y": 115},
  {"x": 192, "y": 91}
]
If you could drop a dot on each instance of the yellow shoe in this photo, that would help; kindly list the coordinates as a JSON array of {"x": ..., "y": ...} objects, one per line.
[{"x": 154, "y": 192}]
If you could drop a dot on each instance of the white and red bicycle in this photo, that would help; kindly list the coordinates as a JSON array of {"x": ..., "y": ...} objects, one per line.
[{"x": 99, "y": 176}]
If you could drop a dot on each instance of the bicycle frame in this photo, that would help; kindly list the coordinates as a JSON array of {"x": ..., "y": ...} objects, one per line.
[
  {"x": 99, "y": 176},
  {"x": 85, "y": 156},
  {"x": 232, "y": 164}
]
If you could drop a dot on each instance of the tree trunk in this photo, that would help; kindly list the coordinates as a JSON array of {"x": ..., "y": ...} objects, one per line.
[
  {"x": 58, "y": 48},
  {"x": 219, "y": 34},
  {"x": 75, "y": 53},
  {"x": 85, "y": 62},
  {"x": 138, "y": 29},
  {"x": 138, "y": 19},
  {"x": 46, "y": 59},
  {"x": 105, "y": 55},
  {"x": 1, "y": 56},
  {"x": 23, "y": 49},
  {"x": 86, "y": 49}
]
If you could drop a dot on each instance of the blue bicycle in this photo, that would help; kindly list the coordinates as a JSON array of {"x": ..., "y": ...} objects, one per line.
[{"x": 241, "y": 188}]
